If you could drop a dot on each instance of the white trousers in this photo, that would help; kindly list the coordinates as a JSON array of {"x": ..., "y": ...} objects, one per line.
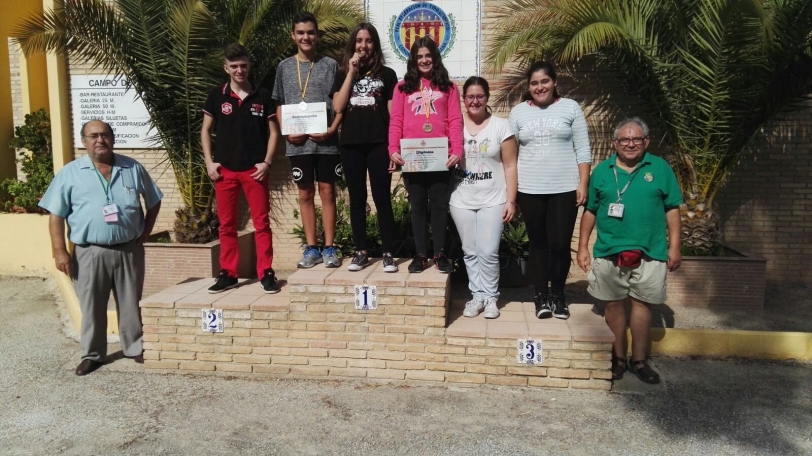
[{"x": 480, "y": 231}]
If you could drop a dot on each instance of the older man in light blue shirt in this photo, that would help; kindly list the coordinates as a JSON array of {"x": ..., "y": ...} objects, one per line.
[{"x": 99, "y": 196}]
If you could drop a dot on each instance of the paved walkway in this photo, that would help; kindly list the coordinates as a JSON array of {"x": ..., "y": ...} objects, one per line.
[{"x": 704, "y": 407}]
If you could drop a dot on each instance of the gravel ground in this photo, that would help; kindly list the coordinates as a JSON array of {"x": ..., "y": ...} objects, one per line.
[{"x": 703, "y": 407}]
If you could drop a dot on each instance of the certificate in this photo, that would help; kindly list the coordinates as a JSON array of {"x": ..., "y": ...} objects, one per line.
[
  {"x": 424, "y": 154},
  {"x": 304, "y": 118}
]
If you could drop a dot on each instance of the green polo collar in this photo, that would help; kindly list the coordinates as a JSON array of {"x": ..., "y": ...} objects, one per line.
[{"x": 645, "y": 161}]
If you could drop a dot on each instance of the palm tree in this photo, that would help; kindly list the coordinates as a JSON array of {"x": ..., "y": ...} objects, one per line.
[
  {"x": 171, "y": 52},
  {"x": 709, "y": 74}
]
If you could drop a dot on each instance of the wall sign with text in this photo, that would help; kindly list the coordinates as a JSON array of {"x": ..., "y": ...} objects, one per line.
[
  {"x": 453, "y": 24},
  {"x": 110, "y": 99}
]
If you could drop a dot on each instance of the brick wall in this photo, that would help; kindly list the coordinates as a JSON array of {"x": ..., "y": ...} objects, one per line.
[
  {"x": 766, "y": 207},
  {"x": 728, "y": 282},
  {"x": 14, "y": 53},
  {"x": 18, "y": 115},
  {"x": 312, "y": 329}
]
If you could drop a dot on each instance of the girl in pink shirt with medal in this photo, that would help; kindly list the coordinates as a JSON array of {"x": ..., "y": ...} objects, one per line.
[{"x": 425, "y": 104}]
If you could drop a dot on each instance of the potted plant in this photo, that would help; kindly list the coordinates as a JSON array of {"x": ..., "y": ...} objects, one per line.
[
  {"x": 403, "y": 240},
  {"x": 513, "y": 254}
]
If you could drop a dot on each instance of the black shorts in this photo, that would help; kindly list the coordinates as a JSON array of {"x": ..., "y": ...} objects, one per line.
[{"x": 306, "y": 169}]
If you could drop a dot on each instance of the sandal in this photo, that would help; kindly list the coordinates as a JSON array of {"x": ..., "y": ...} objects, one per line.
[
  {"x": 618, "y": 367},
  {"x": 644, "y": 372}
]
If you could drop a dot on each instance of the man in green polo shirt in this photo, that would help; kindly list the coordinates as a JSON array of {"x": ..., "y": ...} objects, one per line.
[{"x": 634, "y": 200}]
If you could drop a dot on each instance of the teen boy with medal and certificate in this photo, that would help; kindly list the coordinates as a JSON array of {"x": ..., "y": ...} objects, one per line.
[
  {"x": 304, "y": 118},
  {"x": 302, "y": 86}
]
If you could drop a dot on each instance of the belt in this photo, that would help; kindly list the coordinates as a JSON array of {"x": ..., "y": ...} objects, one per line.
[{"x": 107, "y": 246}]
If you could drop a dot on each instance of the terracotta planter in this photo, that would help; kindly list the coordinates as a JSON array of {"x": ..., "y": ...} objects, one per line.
[
  {"x": 168, "y": 264},
  {"x": 737, "y": 281}
]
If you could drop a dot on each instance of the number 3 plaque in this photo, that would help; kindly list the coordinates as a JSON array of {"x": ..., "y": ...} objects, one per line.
[{"x": 529, "y": 352}]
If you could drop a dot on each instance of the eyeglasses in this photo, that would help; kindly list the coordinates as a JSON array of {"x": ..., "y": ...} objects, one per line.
[
  {"x": 95, "y": 136},
  {"x": 626, "y": 141},
  {"x": 475, "y": 97}
]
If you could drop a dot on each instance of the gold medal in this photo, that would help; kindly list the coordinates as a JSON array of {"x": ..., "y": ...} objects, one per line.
[{"x": 427, "y": 127}]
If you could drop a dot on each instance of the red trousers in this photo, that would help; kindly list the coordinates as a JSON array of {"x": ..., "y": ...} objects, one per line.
[{"x": 227, "y": 191}]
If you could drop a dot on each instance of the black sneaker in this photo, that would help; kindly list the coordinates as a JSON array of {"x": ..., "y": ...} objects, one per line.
[
  {"x": 543, "y": 309},
  {"x": 268, "y": 282},
  {"x": 359, "y": 261},
  {"x": 559, "y": 304},
  {"x": 442, "y": 263},
  {"x": 389, "y": 263},
  {"x": 223, "y": 283},
  {"x": 419, "y": 263}
]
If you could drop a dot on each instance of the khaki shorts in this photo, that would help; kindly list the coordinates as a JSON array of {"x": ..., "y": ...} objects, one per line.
[{"x": 609, "y": 282}]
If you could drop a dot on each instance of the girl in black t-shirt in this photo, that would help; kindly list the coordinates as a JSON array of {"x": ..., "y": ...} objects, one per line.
[{"x": 363, "y": 93}]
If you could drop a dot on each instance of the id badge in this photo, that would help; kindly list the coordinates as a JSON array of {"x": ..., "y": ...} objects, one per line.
[
  {"x": 110, "y": 213},
  {"x": 616, "y": 210}
]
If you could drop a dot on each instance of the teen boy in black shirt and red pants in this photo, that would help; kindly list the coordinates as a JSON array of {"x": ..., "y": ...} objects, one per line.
[{"x": 243, "y": 118}]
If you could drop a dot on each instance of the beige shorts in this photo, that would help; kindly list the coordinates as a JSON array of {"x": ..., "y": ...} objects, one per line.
[{"x": 609, "y": 282}]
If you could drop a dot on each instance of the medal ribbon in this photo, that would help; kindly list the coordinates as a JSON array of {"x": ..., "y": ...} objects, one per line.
[
  {"x": 617, "y": 184},
  {"x": 426, "y": 102},
  {"x": 307, "y": 81}
]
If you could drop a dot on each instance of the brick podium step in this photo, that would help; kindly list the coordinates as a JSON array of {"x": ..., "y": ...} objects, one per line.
[{"x": 312, "y": 329}]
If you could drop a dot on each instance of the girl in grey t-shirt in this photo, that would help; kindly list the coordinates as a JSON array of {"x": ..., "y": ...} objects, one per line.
[{"x": 554, "y": 165}]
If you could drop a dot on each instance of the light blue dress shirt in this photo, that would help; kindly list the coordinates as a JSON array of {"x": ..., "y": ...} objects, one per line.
[{"x": 77, "y": 195}]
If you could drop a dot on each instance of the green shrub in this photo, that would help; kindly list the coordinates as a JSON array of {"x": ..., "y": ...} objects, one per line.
[
  {"x": 33, "y": 144},
  {"x": 403, "y": 242},
  {"x": 515, "y": 242}
]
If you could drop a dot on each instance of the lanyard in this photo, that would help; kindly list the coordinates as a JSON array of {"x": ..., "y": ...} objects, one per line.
[
  {"x": 360, "y": 76},
  {"x": 426, "y": 102},
  {"x": 617, "y": 184},
  {"x": 102, "y": 181},
  {"x": 307, "y": 81}
]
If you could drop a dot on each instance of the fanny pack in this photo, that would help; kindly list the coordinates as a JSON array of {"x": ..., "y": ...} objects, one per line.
[{"x": 628, "y": 259}]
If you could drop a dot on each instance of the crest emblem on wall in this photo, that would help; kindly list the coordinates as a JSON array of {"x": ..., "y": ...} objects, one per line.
[{"x": 418, "y": 20}]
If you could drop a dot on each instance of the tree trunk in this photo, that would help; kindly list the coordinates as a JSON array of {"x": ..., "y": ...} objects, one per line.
[
  {"x": 700, "y": 228},
  {"x": 195, "y": 228}
]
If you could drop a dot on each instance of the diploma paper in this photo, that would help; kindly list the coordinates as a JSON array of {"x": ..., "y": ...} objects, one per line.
[
  {"x": 295, "y": 121},
  {"x": 424, "y": 154}
]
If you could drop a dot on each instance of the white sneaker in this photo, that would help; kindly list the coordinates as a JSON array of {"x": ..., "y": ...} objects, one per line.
[
  {"x": 491, "y": 311},
  {"x": 473, "y": 308}
]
